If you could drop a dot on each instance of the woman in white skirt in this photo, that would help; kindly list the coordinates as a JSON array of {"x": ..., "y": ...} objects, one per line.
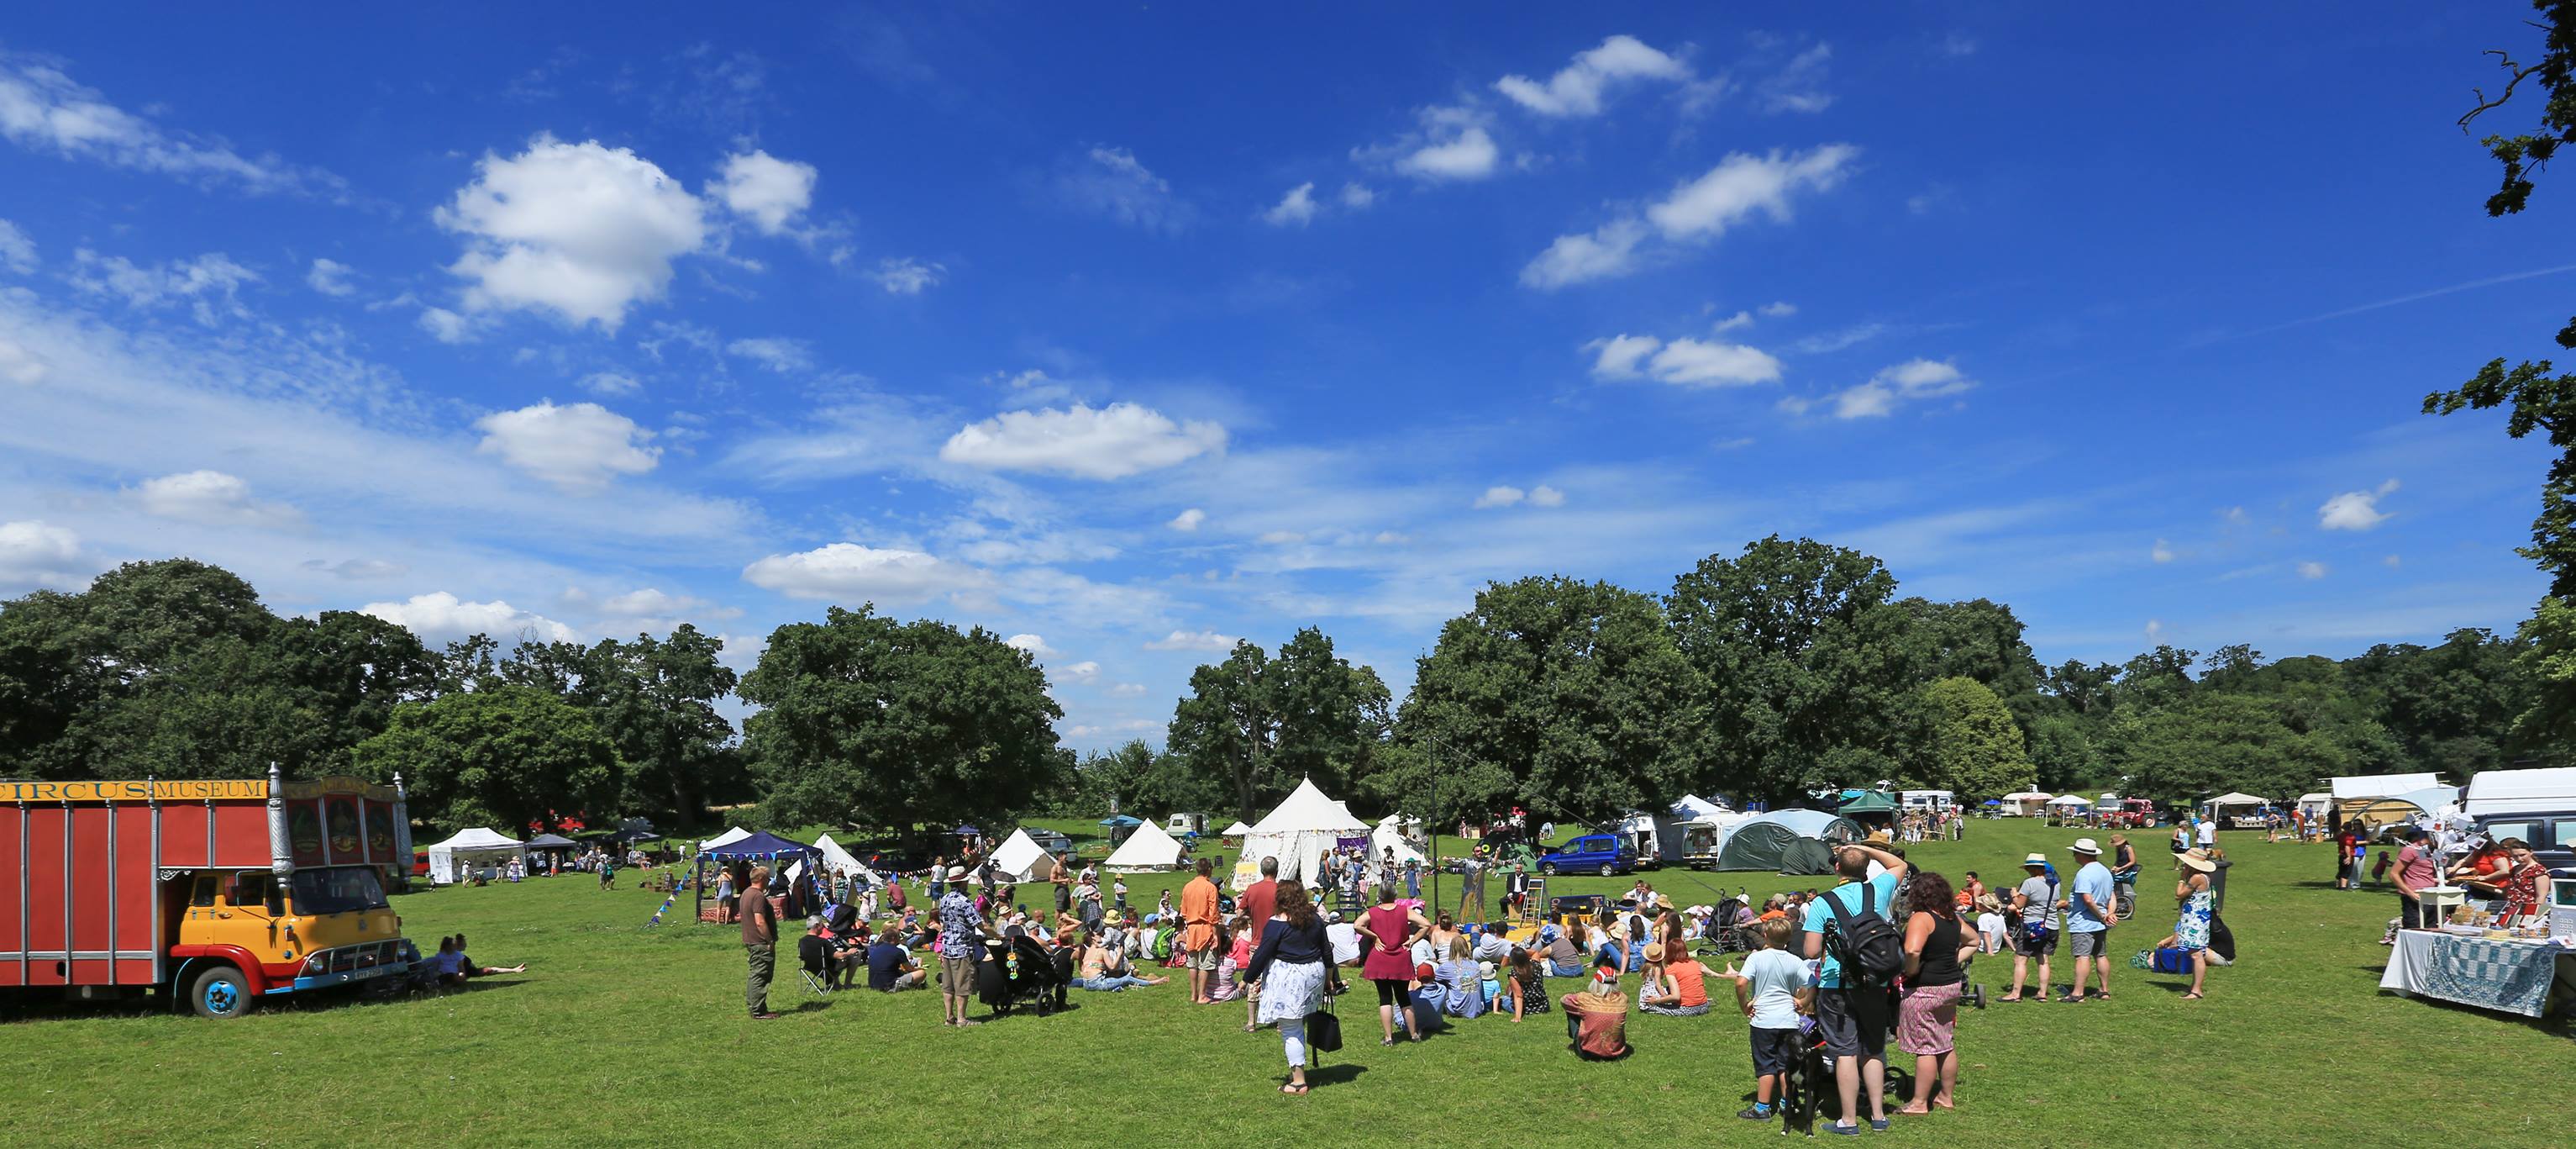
[{"x": 1289, "y": 971}]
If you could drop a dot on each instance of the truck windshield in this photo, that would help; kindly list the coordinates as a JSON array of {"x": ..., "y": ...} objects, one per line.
[{"x": 338, "y": 889}]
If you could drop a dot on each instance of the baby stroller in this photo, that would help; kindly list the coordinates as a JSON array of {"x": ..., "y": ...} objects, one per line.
[{"x": 1030, "y": 979}]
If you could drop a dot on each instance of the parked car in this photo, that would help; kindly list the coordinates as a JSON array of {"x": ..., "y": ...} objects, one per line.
[
  {"x": 1603, "y": 854},
  {"x": 420, "y": 863},
  {"x": 2551, "y": 835}
]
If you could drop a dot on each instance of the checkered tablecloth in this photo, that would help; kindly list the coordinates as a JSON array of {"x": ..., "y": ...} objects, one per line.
[{"x": 2509, "y": 976}]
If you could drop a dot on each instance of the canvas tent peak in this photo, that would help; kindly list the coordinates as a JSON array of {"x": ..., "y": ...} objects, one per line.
[
  {"x": 834, "y": 857},
  {"x": 1150, "y": 848},
  {"x": 1020, "y": 859},
  {"x": 1236, "y": 830},
  {"x": 761, "y": 845},
  {"x": 1299, "y": 832},
  {"x": 727, "y": 838}
]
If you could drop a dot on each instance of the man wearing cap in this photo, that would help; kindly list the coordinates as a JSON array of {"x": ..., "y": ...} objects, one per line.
[
  {"x": 2034, "y": 903},
  {"x": 2088, "y": 919},
  {"x": 961, "y": 943}
]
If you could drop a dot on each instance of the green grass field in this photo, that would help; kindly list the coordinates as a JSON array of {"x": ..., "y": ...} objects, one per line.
[{"x": 623, "y": 1034}]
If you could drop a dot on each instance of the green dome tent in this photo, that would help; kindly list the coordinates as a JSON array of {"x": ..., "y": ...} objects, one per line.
[{"x": 1786, "y": 841}]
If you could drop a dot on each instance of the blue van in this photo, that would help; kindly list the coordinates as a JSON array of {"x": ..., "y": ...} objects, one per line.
[{"x": 1603, "y": 854}]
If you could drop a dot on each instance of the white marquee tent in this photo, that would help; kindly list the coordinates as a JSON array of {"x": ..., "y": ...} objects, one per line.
[
  {"x": 1692, "y": 808},
  {"x": 1150, "y": 848},
  {"x": 727, "y": 838},
  {"x": 1299, "y": 832},
  {"x": 449, "y": 861},
  {"x": 1390, "y": 835},
  {"x": 1021, "y": 859}
]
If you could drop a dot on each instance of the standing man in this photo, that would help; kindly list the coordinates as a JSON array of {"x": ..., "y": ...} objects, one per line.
[
  {"x": 1061, "y": 876},
  {"x": 1471, "y": 886},
  {"x": 759, "y": 941},
  {"x": 1259, "y": 901},
  {"x": 2088, "y": 919},
  {"x": 1198, "y": 936},
  {"x": 2415, "y": 870},
  {"x": 961, "y": 944},
  {"x": 2034, "y": 904},
  {"x": 1854, "y": 1021}
]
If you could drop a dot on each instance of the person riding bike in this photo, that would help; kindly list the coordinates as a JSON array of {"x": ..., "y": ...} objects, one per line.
[{"x": 2124, "y": 875}]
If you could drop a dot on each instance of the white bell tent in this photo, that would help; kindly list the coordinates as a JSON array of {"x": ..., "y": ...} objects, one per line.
[
  {"x": 1021, "y": 859},
  {"x": 1300, "y": 831},
  {"x": 1150, "y": 848}
]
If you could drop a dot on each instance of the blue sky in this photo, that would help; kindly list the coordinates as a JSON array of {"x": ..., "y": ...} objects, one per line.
[{"x": 1135, "y": 331}]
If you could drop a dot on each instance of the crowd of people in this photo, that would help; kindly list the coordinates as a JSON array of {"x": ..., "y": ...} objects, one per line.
[{"x": 1832, "y": 974}]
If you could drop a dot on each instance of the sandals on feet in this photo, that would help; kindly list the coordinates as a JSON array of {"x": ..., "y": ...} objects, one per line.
[{"x": 1294, "y": 1089}]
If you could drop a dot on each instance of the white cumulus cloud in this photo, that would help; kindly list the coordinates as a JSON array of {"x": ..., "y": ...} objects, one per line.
[
  {"x": 36, "y": 553},
  {"x": 1499, "y": 496},
  {"x": 2355, "y": 510},
  {"x": 1200, "y": 640},
  {"x": 440, "y": 617},
  {"x": 1187, "y": 521},
  {"x": 211, "y": 497},
  {"x": 1576, "y": 89},
  {"x": 1894, "y": 386},
  {"x": 582, "y": 230},
  {"x": 2312, "y": 570},
  {"x": 850, "y": 572},
  {"x": 330, "y": 277},
  {"x": 1546, "y": 496},
  {"x": 780, "y": 355},
  {"x": 1035, "y": 645},
  {"x": 1357, "y": 196},
  {"x": 907, "y": 276},
  {"x": 577, "y": 446},
  {"x": 1618, "y": 356},
  {"x": 1712, "y": 363},
  {"x": 770, "y": 192},
  {"x": 1112, "y": 442},
  {"x": 1450, "y": 144},
  {"x": 17, "y": 252}
]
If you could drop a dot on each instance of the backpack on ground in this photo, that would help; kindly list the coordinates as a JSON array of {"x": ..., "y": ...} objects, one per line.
[{"x": 1864, "y": 944}]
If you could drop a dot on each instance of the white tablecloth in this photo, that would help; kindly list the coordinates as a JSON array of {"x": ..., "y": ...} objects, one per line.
[{"x": 2507, "y": 976}]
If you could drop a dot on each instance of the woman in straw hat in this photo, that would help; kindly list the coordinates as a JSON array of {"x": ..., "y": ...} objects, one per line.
[{"x": 2191, "y": 928}]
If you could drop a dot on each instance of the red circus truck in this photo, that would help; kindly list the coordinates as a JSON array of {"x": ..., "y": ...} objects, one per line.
[{"x": 216, "y": 893}]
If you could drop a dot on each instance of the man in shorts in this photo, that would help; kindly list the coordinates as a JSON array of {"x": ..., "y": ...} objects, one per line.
[
  {"x": 1198, "y": 933},
  {"x": 2034, "y": 937},
  {"x": 2088, "y": 919},
  {"x": 961, "y": 943},
  {"x": 1854, "y": 1021}
]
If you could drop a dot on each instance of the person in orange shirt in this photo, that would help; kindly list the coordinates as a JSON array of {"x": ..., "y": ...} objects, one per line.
[{"x": 1198, "y": 936}]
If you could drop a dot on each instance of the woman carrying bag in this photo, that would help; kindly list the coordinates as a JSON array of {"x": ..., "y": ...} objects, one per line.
[{"x": 1289, "y": 971}]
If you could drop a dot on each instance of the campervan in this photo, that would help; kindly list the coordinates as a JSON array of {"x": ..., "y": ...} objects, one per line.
[
  {"x": 2537, "y": 806},
  {"x": 1928, "y": 801},
  {"x": 1184, "y": 825}
]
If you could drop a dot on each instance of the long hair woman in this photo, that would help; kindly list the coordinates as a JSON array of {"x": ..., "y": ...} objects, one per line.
[
  {"x": 1288, "y": 972},
  {"x": 1936, "y": 947},
  {"x": 1391, "y": 930}
]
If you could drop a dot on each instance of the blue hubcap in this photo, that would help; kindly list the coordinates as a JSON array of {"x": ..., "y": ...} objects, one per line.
[{"x": 219, "y": 997}]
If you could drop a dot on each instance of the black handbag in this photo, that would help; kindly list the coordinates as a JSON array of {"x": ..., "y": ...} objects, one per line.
[{"x": 1324, "y": 1031}]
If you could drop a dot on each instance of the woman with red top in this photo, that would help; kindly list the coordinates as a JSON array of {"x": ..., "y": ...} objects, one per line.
[
  {"x": 1391, "y": 930},
  {"x": 2522, "y": 882}
]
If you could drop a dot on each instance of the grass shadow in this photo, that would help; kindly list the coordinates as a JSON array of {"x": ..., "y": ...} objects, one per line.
[{"x": 1338, "y": 1074}]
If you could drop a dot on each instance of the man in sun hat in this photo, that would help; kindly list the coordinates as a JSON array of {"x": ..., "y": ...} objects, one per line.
[
  {"x": 2088, "y": 918},
  {"x": 961, "y": 944},
  {"x": 2034, "y": 903}
]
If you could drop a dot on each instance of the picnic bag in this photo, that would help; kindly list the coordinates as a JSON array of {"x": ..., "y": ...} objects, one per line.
[
  {"x": 1865, "y": 945},
  {"x": 1324, "y": 1031},
  {"x": 2162, "y": 960}
]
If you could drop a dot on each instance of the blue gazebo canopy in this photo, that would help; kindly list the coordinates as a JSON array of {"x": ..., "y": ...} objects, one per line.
[
  {"x": 965, "y": 830},
  {"x": 760, "y": 845},
  {"x": 1120, "y": 820}
]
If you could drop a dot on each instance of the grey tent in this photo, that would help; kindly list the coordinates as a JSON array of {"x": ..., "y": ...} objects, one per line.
[{"x": 1786, "y": 841}]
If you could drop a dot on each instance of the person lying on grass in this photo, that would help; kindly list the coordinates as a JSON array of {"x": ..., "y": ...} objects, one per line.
[{"x": 467, "y": 966}]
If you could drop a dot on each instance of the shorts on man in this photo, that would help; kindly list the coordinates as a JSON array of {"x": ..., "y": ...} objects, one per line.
[
  {"x": 1774, "y": 1050},
  {"x": 957, "y": 974},
  {"x": 1200, "y": 958},
  {"x": 2093, "y": 944},
  {"x": 1854, "y": 1022}
]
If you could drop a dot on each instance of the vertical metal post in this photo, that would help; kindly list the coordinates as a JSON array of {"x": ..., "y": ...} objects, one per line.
[
  {"x": 152, "y": 794},
  {"x": 26, "y": 907},
  {"x": 281, "y": 861},
  {"x": 111, "y": 891}
]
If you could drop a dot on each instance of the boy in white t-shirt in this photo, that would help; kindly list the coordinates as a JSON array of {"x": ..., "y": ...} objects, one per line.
[{"x": 1772, "y": 989}]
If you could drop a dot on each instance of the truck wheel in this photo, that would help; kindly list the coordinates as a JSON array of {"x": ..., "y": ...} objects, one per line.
[
  {"x": 1548, "y": 869},
  {"x": 1608, "y": 871},
  {"x": 220, "y": 993}
]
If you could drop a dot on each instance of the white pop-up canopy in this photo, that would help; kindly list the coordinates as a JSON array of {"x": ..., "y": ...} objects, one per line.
[
  {"x": 1150, "y": 848},
  {"x": 449, "y": 861},
  {"x": 1236, "y": 830},
  {"x": 1299, "y": 832},
  {"x": 1021, "y": 859},
  {"x": 1390, "y": 835},
  {"x": 2070, "y": 800},
  {"x": 2236, "y": 798},
  {"x": 1692, "y": 807}
]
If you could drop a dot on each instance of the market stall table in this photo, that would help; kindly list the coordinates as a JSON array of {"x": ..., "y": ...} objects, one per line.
[{"x": 2509, "y": 976}]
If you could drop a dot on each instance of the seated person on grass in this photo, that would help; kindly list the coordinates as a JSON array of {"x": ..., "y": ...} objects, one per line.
[
  {"x": 1596, "y": 1018},
  {"x": 1429, "y": 1001},
  {"x": 890, "y": 966},
  {"x": 465, "y": 965}
]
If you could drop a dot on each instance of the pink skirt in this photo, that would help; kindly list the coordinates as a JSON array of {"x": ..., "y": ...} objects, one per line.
[{"x": 1927, "y": 1021}]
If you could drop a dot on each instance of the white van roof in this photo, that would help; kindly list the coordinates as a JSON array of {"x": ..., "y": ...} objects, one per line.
[{"x": 2517, "y": 791}]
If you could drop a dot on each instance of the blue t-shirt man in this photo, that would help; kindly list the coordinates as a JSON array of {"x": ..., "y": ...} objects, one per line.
[
  {"x": 885, "y": 964},
  {"x": 2094, "y": 879},
  {"x": 1882, "y": 899}
]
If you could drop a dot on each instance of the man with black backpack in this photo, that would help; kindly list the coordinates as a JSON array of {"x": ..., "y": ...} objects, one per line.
[{"x": 1848, "y": 931}]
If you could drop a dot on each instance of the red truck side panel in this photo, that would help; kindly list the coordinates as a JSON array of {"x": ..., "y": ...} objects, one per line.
[
  {"x": 241, "y": 836},
  {"x": 183, "y": 835},
  {"x": 13, "y": 920},
  {"x": 138, "y": 897},
  {"x": 44, "y": 912},
  {"x": 90, "y": 894}
]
